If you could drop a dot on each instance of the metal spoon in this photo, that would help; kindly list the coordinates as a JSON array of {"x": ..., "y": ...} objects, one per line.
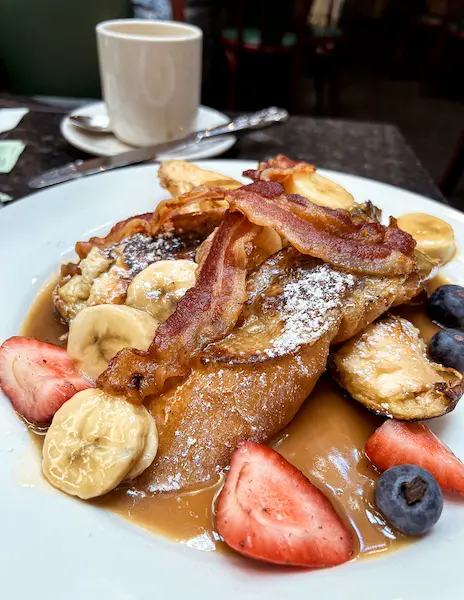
[{"x": 95, "y": 124}]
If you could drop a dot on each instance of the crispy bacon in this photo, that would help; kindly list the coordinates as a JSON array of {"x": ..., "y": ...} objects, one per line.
[
  {"x": 123, "y": 229},
  {"x": 209, "y": 311},
  {"x": 206, "y": 313},
  {"x": 200, "y": 210},
  {"x": 278, "y": 169},
  {"x": 324, "y": 233},
  {"x": 70, "y": 269},
  {"x": 302, "y": 178}
]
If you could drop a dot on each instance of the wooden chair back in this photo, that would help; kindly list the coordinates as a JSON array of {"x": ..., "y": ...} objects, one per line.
[
  {"x": 327, "y": 12},
  {"x": 271, "y": 18},
  {"x": 178, "y": 10}
]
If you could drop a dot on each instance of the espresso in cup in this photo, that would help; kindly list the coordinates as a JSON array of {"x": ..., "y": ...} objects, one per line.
[{"x": 151, "y": 78}]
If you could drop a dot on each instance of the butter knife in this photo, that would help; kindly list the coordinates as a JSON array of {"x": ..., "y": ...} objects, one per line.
[{"x": 82, "y": 168}]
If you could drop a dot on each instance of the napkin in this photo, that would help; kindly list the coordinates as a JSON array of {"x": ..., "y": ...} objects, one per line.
[
  {"x": 10, "y": 151},
  {"x": 4, "y": 198},
  {"x": 10, "y": 118}
]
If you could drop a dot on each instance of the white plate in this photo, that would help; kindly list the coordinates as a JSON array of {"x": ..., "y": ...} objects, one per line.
[
  {"x": 55, "y": 547},
  {"x": 106, "y": 144}
]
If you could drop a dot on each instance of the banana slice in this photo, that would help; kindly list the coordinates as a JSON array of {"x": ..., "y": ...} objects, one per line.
[
  {"x": 99, "y": 332},
  {"x": 149, "y": 451},
  {"x": 269, "y": 241},
  {"x": 158, "y": 288},
  {"x": 434, "y": 237},
  {"x": 319, "y": 190},
  {"x": 94, "y": 441},
  {"x": 180, "y": 176}
]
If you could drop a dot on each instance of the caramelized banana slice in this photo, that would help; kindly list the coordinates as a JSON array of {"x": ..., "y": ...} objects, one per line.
[
  {"x": 94, "y": 442},
  {"x": 180, "y": 177},
  {"x": 434, "y": 237},
  {"x": 159, "y": 287},
  {"x": 99, "y": 332},
  {"x": 319, "y": 190},
  {"x": 302, "y": 178},
  {"x": 386, "y": 369},
  {"x": 149, "y": 451}
]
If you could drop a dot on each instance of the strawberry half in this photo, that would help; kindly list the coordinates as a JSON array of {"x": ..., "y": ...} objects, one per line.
[
  {"x": 268, "y": 510},
  {"x": 38, "y": 377},
  {"x": 399, "y": 443}
]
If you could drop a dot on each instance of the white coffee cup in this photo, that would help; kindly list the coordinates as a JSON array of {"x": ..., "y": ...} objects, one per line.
[{"x": 151, "y": 77}]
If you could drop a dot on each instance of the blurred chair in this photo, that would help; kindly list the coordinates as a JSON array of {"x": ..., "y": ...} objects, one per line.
[
  {"x": 206, "y": 14},
  {"x": 442, "y": 64},
  {"x": 272, "y": 34},
  {"x": 325, "y": 37},
  {"x": 431, "y": 18},
  {"x": 178, "y": 10},
  {"x": 423, "y": 20},
  {"x": 324, "y": 19}
]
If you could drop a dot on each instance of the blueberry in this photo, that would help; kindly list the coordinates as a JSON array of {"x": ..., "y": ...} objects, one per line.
[
  {"x": 447, "y": 348},
  {"x": 409, "y": 498},
  {"x": 446, "y": 306}
]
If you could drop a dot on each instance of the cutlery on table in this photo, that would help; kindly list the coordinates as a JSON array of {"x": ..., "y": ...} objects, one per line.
[
  {"x": 94, "y": 124},
  {"x": 259, "y": 120}
]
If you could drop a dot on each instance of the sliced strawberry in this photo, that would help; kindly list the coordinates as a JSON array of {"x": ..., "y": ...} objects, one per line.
[
  {"x": 270, "y": 511},
  {"x": 399, "y": 443},
  {"x": 38, "y": 377}
]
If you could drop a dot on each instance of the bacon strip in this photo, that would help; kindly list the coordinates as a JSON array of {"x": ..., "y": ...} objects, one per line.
[
  {"x": 206, "y": 313},
  {"x": 324, "y": 233},
  {"x": 278, "y": 169},
  {"x": 123, "y": 229},
  {"x": 200, "y": 210}
]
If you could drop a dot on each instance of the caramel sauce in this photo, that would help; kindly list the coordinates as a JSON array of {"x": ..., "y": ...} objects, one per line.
[
  {"x": 325, "y": 441},
  {"x": 41, "y": 321}
]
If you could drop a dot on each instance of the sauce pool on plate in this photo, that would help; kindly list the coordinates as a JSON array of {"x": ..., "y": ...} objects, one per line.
[{"x": 325, "y": 441}]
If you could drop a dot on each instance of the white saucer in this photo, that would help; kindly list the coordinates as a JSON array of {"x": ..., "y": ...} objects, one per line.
[{"x": 106, "y": 144}]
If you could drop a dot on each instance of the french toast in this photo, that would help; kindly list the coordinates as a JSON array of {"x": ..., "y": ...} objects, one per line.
[
  {"x": 247, "y": 378},
  {"x": 251, "y": 384}
]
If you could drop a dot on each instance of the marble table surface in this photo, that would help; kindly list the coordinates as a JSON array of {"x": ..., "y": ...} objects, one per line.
[{"x": 374, "y": 150}]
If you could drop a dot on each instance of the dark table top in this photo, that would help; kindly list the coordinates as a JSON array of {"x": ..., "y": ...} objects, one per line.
[{"x": 373, "y": 150}]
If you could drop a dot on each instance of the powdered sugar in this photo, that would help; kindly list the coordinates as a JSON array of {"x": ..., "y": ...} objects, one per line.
[
  {"x": 172, "y": 484},
  {"x": 307, "y": 307},
  {"x": 142, "y": 250}
]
